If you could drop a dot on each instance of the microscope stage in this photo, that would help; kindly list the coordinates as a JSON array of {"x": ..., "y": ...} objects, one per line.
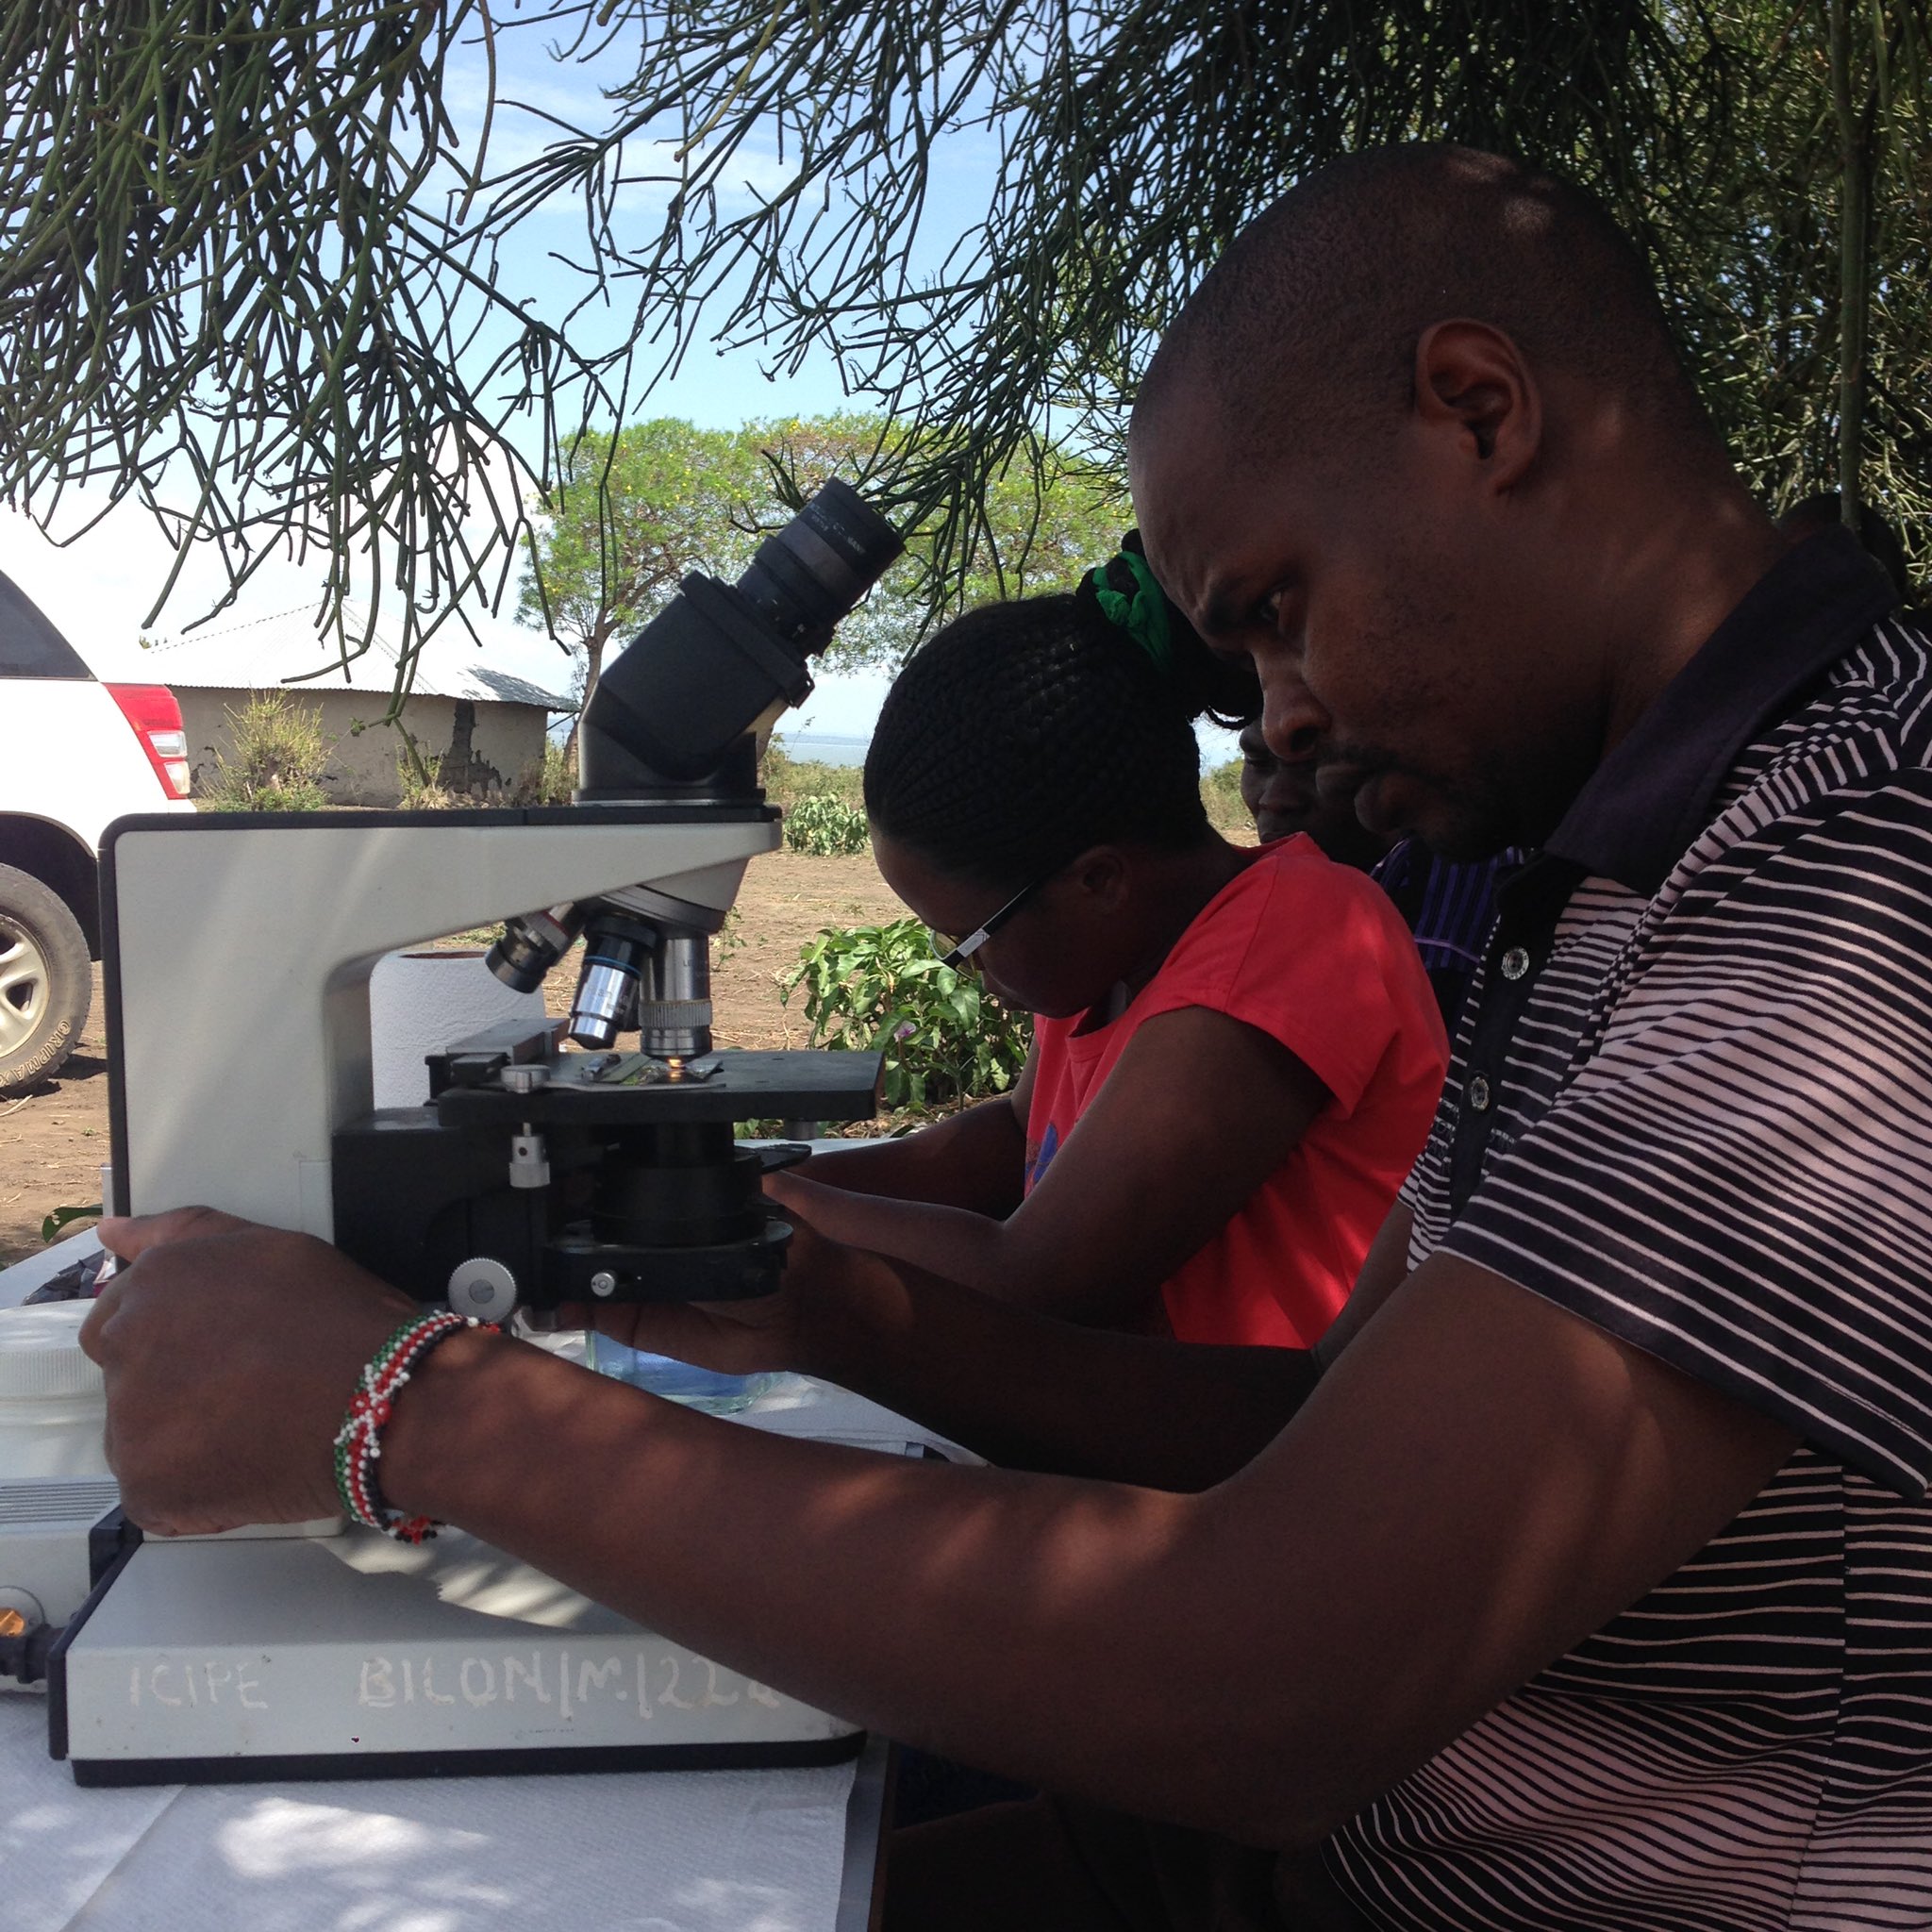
[{"x": 632, "y": 1091}]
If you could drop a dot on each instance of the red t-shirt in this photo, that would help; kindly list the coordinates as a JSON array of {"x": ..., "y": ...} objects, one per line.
[{"x": 1316, "y": 957}]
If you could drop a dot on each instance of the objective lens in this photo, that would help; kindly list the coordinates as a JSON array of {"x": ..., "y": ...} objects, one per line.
[
  {"x": 615, "y": 952},
  {"x": 674, "y": 1013},
  {"x": 531, "y": 945}
]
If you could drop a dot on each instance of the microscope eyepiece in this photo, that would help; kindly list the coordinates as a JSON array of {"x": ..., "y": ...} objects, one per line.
[
  {"x": 674, "y": 712},
  {"x": 672, "y": 719},
  {"x": 804, "y": 578}
]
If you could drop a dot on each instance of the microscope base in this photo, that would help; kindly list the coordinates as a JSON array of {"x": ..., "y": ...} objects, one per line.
[{"x": 355, "y": 1656}]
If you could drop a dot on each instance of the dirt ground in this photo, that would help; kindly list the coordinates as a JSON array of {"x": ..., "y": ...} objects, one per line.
[{"x": 53, "y": 1141}]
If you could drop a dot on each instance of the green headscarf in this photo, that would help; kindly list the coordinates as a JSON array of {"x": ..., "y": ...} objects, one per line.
[{"x": 1141, "y": 612}]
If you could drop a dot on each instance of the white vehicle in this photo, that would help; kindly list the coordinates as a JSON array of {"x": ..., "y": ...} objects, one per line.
[{"x": 75, "y": 756}]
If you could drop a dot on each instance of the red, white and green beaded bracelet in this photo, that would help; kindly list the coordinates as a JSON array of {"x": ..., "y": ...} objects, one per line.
[{"x": 359, "y": 1441}]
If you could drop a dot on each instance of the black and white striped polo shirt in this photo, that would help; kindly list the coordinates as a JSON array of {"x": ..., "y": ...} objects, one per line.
[{"x": 1692, "y": 1102}]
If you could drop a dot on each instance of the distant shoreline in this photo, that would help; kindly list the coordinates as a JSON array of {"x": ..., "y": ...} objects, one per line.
[
  {"x": 1218, "y": 746},
  {"x": 823, "y": 748}
]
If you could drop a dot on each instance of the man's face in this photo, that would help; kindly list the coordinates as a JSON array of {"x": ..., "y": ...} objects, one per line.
[
  {"x": 1282, "y": 798},
  {"x": 1277, "y": 793},
  {"x": 1383, "y": 615}
]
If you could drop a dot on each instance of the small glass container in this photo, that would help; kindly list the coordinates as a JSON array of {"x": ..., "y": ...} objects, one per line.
[
  {"x": 53, "y": 1406},
  {"x": 663, "y": 1375}
]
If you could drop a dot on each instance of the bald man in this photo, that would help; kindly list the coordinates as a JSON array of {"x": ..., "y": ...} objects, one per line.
[{"x": 1588, "y": 1580}]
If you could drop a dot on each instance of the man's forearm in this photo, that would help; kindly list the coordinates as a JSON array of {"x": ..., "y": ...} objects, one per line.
[
  {"x": 1005, "y": 1618},
  {"x": 1482, "y": 1479},
  {"x": 1031, "y": 1392}
]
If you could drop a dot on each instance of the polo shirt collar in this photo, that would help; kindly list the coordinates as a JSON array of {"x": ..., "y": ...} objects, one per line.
[{"x": 1639, "y": 810}]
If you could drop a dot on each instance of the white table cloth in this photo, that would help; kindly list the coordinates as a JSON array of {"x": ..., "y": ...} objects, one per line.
[{"x": 726, "y": 1851}]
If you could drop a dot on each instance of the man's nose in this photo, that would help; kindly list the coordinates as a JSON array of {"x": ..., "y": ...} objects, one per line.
[{"x": 1292, "y": 723}]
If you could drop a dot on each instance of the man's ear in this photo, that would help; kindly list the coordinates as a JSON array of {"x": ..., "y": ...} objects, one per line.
[{"x": 1474, "y": 382}]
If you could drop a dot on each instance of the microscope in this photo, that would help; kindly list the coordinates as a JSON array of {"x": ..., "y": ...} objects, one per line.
[{"x": 555, "y": 1163}]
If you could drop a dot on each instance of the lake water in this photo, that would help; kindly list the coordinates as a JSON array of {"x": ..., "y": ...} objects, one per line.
[
  {"x": 1216, "y": 746},
  {"x": 816, "y": 747}
]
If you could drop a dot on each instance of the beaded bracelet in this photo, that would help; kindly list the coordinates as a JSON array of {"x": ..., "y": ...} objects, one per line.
[{"x": 359, "y": 1441}]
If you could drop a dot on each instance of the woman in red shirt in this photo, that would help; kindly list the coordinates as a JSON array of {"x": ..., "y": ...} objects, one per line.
[{"x": 1237, "y": 1053}]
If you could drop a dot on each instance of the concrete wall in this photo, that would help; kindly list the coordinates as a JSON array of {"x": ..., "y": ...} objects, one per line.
[{"x": 501, "y": 740}]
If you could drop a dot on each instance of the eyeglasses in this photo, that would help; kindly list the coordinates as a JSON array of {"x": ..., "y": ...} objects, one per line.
[{"x": 955, "y": 952}]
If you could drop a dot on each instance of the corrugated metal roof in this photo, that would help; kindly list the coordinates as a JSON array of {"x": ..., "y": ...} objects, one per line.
[{"x": 270, "y": 651}]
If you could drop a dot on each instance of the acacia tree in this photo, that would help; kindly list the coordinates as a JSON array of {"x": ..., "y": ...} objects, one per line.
[
  {"x": 628, "y": 517},
  {"x": 633, "y": 514},
  {"x": 248, "y": 264},
  {"x": 244, "y": 282},
  {"x": 1774, "y": 156}
]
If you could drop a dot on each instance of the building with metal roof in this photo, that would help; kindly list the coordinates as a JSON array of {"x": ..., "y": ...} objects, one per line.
[{"x": 486, "y": 729}]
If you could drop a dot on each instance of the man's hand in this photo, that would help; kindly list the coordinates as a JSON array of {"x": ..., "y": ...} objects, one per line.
[
  {"x": 821, "y": 1286},
  {"x": 230, "y": 1352}
]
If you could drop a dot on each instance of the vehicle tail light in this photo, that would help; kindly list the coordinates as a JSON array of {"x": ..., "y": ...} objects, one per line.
[{"x": 152, "y": 711}]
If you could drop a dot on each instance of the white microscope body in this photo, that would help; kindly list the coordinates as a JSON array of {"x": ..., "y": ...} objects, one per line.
[{"x": 238, "y": 957}]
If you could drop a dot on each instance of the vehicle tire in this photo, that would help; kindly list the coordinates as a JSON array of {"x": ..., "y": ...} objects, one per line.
[{"x": 45, "y": 985}]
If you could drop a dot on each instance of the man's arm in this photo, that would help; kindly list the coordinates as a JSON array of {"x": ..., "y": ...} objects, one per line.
[
  {"x": 1200, "y": 1109},
  {"x": 1480, "y": 1481},
  {"x": 1483, "y": 1482},
  {"x": 1023, "y": 1389},
  {"x": 1020, "y": 1389},
  {"x": 1385, "y": 1268}
]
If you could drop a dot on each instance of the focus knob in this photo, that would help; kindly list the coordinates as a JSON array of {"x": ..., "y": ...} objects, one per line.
[{"x": 482, "y": 1286}]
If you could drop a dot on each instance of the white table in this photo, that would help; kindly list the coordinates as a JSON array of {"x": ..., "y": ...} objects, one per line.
[
  {"x": 725, "y": 1851},
  {"x": 739, "y": 1850}
]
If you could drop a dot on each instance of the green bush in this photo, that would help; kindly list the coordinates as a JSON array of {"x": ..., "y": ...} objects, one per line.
[
  {"x": 1221, "y": 793},
  {"x": 419, "y": 783},
  {"x": 279, "y": 751},
  {"x": 824, "y": 827},
  {"x": 787, "y": 780},
  {"x": 945, "y": 1039},
  {"x": 548, "y": 780}
]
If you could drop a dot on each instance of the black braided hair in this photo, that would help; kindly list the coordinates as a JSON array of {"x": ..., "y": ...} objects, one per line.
[{"x": 1025, "y": 732}]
